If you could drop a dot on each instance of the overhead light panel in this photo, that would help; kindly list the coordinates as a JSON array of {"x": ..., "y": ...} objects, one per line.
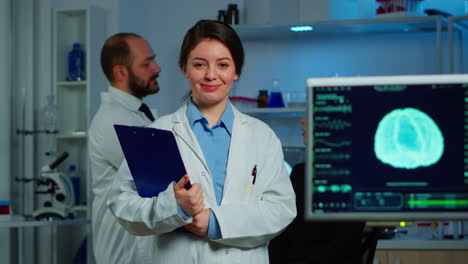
[{"x": 301, "y": 28}]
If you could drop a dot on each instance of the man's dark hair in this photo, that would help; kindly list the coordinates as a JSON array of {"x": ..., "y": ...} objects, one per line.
[{"x": 116, "y": 51}]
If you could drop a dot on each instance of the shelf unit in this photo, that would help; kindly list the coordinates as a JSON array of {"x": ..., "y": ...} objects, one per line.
[
  {"x": 74, "y": 98},
  {"x": 459, "y": 24},
  {"x": 282, "y": 112},
  {"x": 77, "y": 102},
  {"x": 436, "y": 25},
  {"x": 387, "y": 25}
]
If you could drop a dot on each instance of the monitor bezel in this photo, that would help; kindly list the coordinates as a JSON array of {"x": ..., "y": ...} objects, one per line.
[{"x": 361, "y": 81}]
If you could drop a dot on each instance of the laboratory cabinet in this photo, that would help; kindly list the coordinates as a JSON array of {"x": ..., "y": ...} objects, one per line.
[{"x": 421, "y": 257}]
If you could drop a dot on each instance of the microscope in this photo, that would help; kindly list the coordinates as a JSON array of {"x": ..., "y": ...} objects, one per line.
[{"x": 60, "y": 191}]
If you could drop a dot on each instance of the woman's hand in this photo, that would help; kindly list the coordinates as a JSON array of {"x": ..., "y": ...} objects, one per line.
[
  {"x": 191, "y": 201},
  {"x": 200, "y": 222}
]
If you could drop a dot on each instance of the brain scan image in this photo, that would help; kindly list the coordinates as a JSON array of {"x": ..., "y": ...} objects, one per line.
[{"x": 408, "y": 138}]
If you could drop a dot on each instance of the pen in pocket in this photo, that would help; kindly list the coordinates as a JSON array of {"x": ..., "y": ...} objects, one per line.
[{"x": 254, "y": 174}]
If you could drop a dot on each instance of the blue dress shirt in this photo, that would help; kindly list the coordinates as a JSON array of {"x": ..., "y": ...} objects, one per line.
[{"x": 214, "y": 143}]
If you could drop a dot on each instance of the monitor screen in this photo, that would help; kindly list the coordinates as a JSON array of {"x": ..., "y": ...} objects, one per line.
[{"x": 387, "y": 148}]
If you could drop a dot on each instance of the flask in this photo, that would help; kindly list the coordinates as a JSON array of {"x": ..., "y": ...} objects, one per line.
[
  {"x": 76, "y": 63},
  {"x": 232, "y": 16},
  {"x": 262, "y": 99},
  {"x": 276, "y": 98}
]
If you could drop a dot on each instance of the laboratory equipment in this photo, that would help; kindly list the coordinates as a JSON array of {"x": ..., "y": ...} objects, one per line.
[
  {"x": 387, "y": 148},
  {"x": 59, "y": 190}
]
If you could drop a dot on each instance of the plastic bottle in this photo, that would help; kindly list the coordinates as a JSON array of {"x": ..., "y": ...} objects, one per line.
[
  {"x": 232, "y": 16},
  {"x": 76, "y": 61},
  {"x": 276, "y": 98},
  {"x": 75, "y": 180}
]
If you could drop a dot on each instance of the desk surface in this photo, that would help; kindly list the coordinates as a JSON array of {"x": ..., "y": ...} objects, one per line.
[
  {"x": 420, "y": 244},
  {"x": 20, "y": 221}
]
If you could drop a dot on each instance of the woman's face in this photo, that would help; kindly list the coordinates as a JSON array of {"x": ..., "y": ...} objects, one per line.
[{"x": 210, "y": 70}]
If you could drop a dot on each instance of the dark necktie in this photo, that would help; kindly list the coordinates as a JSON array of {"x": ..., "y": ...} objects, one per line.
[{"x": 145, "y": 109}]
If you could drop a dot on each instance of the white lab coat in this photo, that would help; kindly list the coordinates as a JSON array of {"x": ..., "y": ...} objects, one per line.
[
  {"x": 249, "y": 216},
  {"x": 111, "y": 242}
]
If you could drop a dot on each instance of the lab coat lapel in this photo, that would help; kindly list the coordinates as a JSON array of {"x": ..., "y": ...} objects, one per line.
[
  {"x": 238, "y": 142},
  {"x": 183, "y": 130}
]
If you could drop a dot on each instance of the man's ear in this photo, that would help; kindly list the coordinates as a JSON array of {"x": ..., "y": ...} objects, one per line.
[{"x": 120, "y": 72}]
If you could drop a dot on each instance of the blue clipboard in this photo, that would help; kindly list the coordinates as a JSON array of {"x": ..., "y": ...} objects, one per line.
[{"x": 153, "y": 158}]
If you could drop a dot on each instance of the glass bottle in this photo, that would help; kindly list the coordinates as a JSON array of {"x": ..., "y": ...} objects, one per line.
[
  {"x": 232, "y": 16},
  {"x": 262, "y": 99},
  {"x": 50, "y": 125},
  {"x": 221, "y": 15}
]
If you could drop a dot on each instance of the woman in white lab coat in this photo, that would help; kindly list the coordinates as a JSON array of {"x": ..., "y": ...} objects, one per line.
[{"x": 241, "y": 195}]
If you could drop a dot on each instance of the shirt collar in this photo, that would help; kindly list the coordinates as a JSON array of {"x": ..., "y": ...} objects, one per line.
[
  {"x": 194, "y": 115},
  {"x": 127, "y": 99}
]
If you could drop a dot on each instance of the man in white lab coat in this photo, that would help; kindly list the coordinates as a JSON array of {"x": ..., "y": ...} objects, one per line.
[{"x": 128, "y": 62}]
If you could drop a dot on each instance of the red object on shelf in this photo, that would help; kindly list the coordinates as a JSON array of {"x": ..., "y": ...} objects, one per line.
[
  {"x": 391, "y": 6},
  {"x": 4, "y": 208},
  {"x": 242, "y": 98}
]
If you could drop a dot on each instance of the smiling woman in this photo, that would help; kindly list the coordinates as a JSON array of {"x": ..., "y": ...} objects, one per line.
[
  {"x": 210, "y": 70},
  {"x": 234, "y": 162}
]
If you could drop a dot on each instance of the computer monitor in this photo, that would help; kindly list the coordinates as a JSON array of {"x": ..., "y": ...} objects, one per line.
[{"x": 387, "y": 148}]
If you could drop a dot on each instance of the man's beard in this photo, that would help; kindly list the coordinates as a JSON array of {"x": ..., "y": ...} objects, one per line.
[{"x": 138, "y": 87}]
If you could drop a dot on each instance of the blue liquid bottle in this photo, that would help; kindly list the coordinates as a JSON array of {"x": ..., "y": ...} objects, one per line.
[
  {"x": 76, "y": 60},
  {"x": 276, "y": 98}
]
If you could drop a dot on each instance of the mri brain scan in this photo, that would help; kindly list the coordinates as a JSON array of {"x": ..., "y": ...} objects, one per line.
[{"x": 408, "y": 138}]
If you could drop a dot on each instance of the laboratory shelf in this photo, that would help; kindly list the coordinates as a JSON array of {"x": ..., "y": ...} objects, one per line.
[
  {"x": 281, "y": 112},
  {"x": 20, "y": 221},
  {"x": 361, "y": 26},
  {"x": 73, "y": 135},
  {"x": 72, "y": 84}
]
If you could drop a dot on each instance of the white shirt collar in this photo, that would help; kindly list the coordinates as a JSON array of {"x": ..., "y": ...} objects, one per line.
[{"x": 126, "y": 99}]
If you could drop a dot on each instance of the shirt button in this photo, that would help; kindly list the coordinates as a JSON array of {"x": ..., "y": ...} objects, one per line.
[{"x": 203, "y": 173}]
